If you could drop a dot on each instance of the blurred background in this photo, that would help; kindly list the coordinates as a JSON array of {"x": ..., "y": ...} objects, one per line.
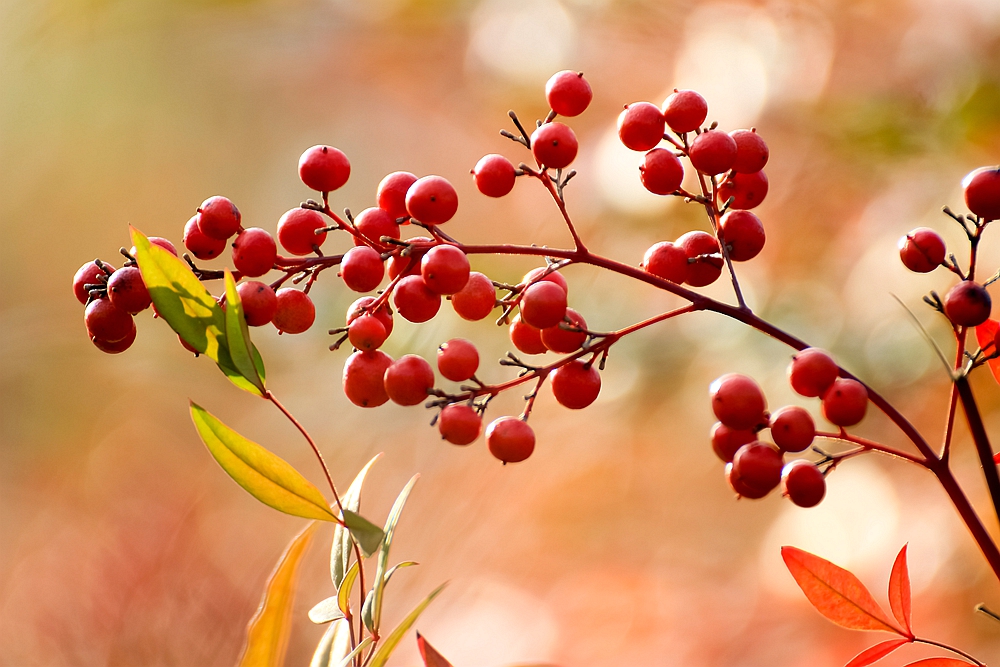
[{"x": 618, "y": 541}]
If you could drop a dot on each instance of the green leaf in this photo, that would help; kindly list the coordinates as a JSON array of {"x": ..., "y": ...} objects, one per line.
[
  {"x": 267, "y": 633},
  {"x": 365, "y": 643},
  {"x": 340, "y": 553},
  {"x": 385, "y": 650},
  {"x": 266, "y": 477},
  {"x": 334, "y": 646},
  {"x": 383, "y": 556},
  {"x": 368, "y": 536},
  {"x": 344, "y": 594},
  {"x": 325, "y": 611},
  {"x": 405, "y": 563},
  {"x": 238, "y": 337},
  {"x": 366, "y": 611}
]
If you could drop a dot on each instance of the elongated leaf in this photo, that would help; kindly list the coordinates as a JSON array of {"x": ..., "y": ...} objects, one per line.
[
  {"x": 366, "y": 611},
  {"x": 325, "y": 611},
  {"x": 340, "y": 552},
  {"x": 349, "y": 658},
  {"x": 430, "y": 655},
  {"x": 365, "y": 533},
  {"x": 876, "y": 653},
  {"x": 899, "y": 591},
  {"x": 383, "y": 556},
  {"x": 836, "y": 593},
  {"x": 238, "y": 337},
  {"x": 344, "y": 594},
  {"x": 392, "y": 641},
  {"x": 939, "y": 662},
  {"x": 333, "y": 647},
  {"x": 265, "y": 476},
  {"x": 986, "y": 337},
  {"x": 267, "y": 634},
  {"x": 392, "y": 570}
]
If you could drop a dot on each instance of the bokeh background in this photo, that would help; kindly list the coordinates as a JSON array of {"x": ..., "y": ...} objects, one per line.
[{"x": 618, "y": 542}]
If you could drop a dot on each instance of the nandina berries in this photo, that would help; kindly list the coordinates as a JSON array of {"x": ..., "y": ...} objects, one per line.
[
  {"x": 812, "y": 372},
  {"x": 576, "y": 384},
  {"x": 554, "y": 145},
  {"x": 803, "y": 483},
  {"x": 362, "y": 269},
  {"x": 713, "y": 152},
  {"x": 198, "y": 244},
  {"x": 445, "y": 269},
  {"x": 459, "y": 424},
  {"x": 792, "y": 428},
  {"x": 661, "y": 172},
  {"x": 107, "y": 322},
  {"x": 89, "y": 274},
  {"x": 363, "y": 378},
  {"x": 566, "y": 337},
  {"x": 543, "y": 304},
  {"x": 568, "y": 93},
  {"x": 254, "y": 252},
  {"x": 640, "y": 126},
  {"x": 968, "y": 304},
  {"x": 544, "y": 273},
  {"x": 510, "y": 439},
  {"x": 685, "y": 111},
  {"x": 477, "y": 299},
  {"x": 324, "y": 168},
  {"x": 259, "y": 302},
  {"x": 362, "y": 306},
  {"x": 704, "y": 261},
  {"x": 367, "y": 333},
  {"x": 726, "y": 441},
  {"x": 432, "y": 200},
  {"x": 845, "y": 402},
  {"x": 408, "y": 379},
  {"x": 374, "y": 223},
  {"x": 922, "y": 250},
  {"x": 218, "y": 218},
  {"x": 666, "y": 260},
  {"x": 391, "y": 193},
  {"x": 494, "y": 175},
  {"x": 743, "y": 233},
  {"x": 746, "y": 190},
  {"x": 127, "y": 290},
  {"x": 414, "y": 300},
  {"x": 738, "y": 401},
  {"x": 297, "y": 231},
  {"x": 526, "y": 338},
  {"x": 982, "y": 192},
  {"x": 294, "y": 312},
  {"x": 751, "y": 151},
  {"x": 457, "y": 359},
  {"x": 758, "y": 466}
]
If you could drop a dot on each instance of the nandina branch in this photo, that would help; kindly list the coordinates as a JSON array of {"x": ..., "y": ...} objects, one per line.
[
  {"x": 947, "y": 647},
  {"x": 871, "y": 446},
  {"x": 981, "y": 440}
]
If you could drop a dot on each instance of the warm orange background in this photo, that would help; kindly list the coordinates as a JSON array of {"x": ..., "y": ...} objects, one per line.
[{"x": 618, "y": 542}]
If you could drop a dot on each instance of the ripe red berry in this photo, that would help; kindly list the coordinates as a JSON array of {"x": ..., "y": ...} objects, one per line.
[
  {"x": 374, "y": 223},
  {"x": 295, "y": 311},
  {"x": 845, "y": 402},
  {"x": 254, "y": 252},
  {"x": 201, "y": 246},
  {"x": 564, "y": 341},
  {"x": 526, "y": 338},
  {"x": 432, "y": 200},
  {"x": 704, "y": 250},
  {"x": 414, "y": 300},
  {"x": 742, "y": 489},
  {"x": 297, "y": 231},
  {"x": 477, "y": 299},
  {"x": 982, "y": 192},
  {"x": 685, "y": 111},
  {"x": 259, "y": 302},
  {"x": 324, "y": 168},
  {"x": 738, "y": 401},
  {"x": 554, "y": 145},
  {"x": 640, "y": 126},
  {"x": 743, "y": 233},
  {"x": 726, "y": 441},
  {"x": 89, "y": 274},
  {"x": 408, "y": 379},
  {"x": 366, "y": 333},
  {"x": 445, "y": 269},
  {"x": 391, "y": 193},
  {"x": 218, "y": 218},
  {"x": 127, "y": 290},
  {"x": 812, "y": 372},
  {"x": 107, "y": 322},
  {"x": 159, "y": 242},
  {"x": 362, "y": 269},
  {"x": 751, "y": 151},
  {"x": 758, "y": 466},
  {"x": 363, "y": 378},
  {"x": 543, "y": 304},
  {"x": 661, "y": 172},
  {"x": 459, "y": 424},
  {"x": 568, "y": 93},
  {"x": 383, "y": 313},
  {"x": 458, "y": 359},
  {"x": 409, "y": 263},
  {"x": 792, "y": 428},
  {"x": 713, "y": 152},
  {"x": 535, "y": 275},
  {"x": 510, "y": 439},
  {"x": 747, "y": 190},
  {"x": 803, "y": 483},
  {"x": 922, "y": 250},
  {"x": 494, "y": 175},
  {"x": 116, "y": 347},
  {"x": 666, "y": 260},
  {"x": 576, "y": 384},
  {"x": 968, "y": 304}
]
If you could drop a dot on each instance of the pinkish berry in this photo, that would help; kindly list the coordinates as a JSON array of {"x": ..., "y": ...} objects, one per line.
[
  {"x": 685, "y": 111},
  {"x": 324, "y": 168},
  {"x": 477, "y": 299},
  {"x": 218, "y": 218},
  {"x": 554, "y": 145},
  {"x": 458, "y": 359},
  {"x": 297, "y": 231},
  {"x": 391, "y": 194},
  {"x": 543, "y": 304},
  {"x": 494, "y": 175},
  {"x": 661, "y": 172},
  {"x": 751, "y": 151},
  {"x": 743, "y": 233},
  {"x": 366, "y": 333},
  {"x": 374, "y": 223},
  {"x": 568, "y": 93},
  {"x": 295, "y": 311},
  {"x": 640, "y": 126},
  {"x": 666, "y": 260},
  {"x": 432, "y": 200},
  {"x": 713, "y": 152},
  {"x": 362, "y": 269}
]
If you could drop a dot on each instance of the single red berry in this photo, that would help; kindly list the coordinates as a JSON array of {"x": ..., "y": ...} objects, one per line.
[
  {"x": 201, "y": 246},
  {"x": 432, "y": 200},
  {"x": 726, "y": 441},
  {"x": 758, "y": 466},
  {"x": 324, "y": 168},
  {"x": 738, "y": 401},
  {"x": 391, "y": 193},
  {"x": 414, "y": 300},
  {"x": 661, "y": 172},
  {"x": 359, "y": 308},
  {"x": 297, "y": 231},
  {"x": 107, "y": 322},
  {"x": 408, "y": 379},
  {"x": 494, "y": 175},
  {"x": 685, "y": 111},
  {"x": 982, "y": 192},
  {"x": 968, "y": 304},
  {"x": 409, "y": 264},
  {"x": 295, "y": 311},
  {"x": 366, "y": 333},
  {"x": 554, "y": 145},
  {"x": 640, "y": 126},
  {"x": 742, "y": 489},
  {"x": 362, "y": 269},
  {"x": 526, "y": 338},
  {"x": 666, "y": 260},
  {"x": 477, "y": 299},
  {"x": 922, "y": 250},
  {"x": 218, "y": 218},
  {"x": 576, "y": 384},
  {"x": 803, "y": 483},
  {"x": 127, "y": 290},
  {"x": 363, "y": 378},
  {"x": 792, "y": 428},
  {"x": 812, "y": 372},
  {"x": 751, "y": 151},
  {"x": 458, "y": 359},
  {"x": 746, "y": 190},
  {"x": 543, "y": 304},
  {"x": 89, "y": 274},
  {"x": 510, "y": 439},
  {"x": 254, "y": 252},
  {"x": 845, "y": 402},
  {"x": 704, "y": 259},
  {"x": 568, "y": 93},
  {"x": 445, "y": 269},
  {"x": 118, "y": 346},
  {"x": 558, "y": 339},
  {"x": 743, "y": 233},
  {"x": 459, "y": 424},
  {"x": 713, "y": 152},
  {"x": 374, "y": 223},
  {"x": 259, "y": 302},
  {"x": 535, "y": 275}
]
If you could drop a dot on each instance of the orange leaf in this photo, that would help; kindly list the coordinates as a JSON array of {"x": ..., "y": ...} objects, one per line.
[
  {"x": 430, "y": 655},
  {"x": 899, "y": 591},
  {"x": 939, "y": 662},
  {"x": 836, "y": 593},
  {"x": 877, "y": 652},
  {"x": 986, "y": 337}
]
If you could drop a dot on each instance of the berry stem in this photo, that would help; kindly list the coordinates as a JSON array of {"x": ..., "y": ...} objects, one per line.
[
  {"x": 957, "y": 651},
  {"x": 981, "y": 440},
  {"x": 868, "y": 446},
  {"x": 556, "y": 193}
]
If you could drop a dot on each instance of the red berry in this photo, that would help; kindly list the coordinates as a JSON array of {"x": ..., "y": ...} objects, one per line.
[
  {"x": 803, "y": 483},
  {"x": 477, "y": 299},
  {"x": 324, "y": 168},
  {"x": 812, "y": 372},
  {"x": 704, "y": 250},
  {"x": 254, "y": 252},
  {"x": 792, "y": 428},
  {"x": 510, "y": 439},
  {"x": 89, "y": 274},
  {"x": 362, "y": 269},
  {"x": 295, "y": 311},
  {"x": 576, "y": 384},
  {"x": 685, "y": 111},
  {"x": 391, "y": 193},
  {"x": 297, "y": 231},
  {"x": 666, "y": 260},
  {"x": 187, "y": 346},
  {"x": 116, "y": 347},
  {"x": 408, "y": 379},
  {"x": 751, "y": 151},
  {"x": 543, "y": 304},
  {"x": 259, "y": 302},
  {"x": 554, "y": 145},
  {"x": 432, "y": 200},
  {"x": 845, "y": 402},
  {"x": 363, "y": 378},
  {"x": 458, "y": 359},
  {"x": 713, "y": 152},
  {"x": 758, "y": 466},
  {"x": 127, "y": 290},
  {"x": 568, "y": 93},
  {"x": 374, "y": 223},
  {"x": 383, "y": 313},
  {"x": 561, "y": 340},
  {"x": 409, "y": 263},
  {"x": 459, "y": 424},
  {"x": 366, "y": 333},
  {"x": 726, "y": 441},
  {"x": 640, "y": 126},
  {"x": 159, "y": 242},
  {"x": 982, "y": 192},
  {"x": 218, "y": 218},
  {"x": 414, "y": 300},
  {"x": 742, "y": 489},
  {"x": 922, "y": 250},
  {"x": 738, "y": 401},
  {"x": 661, "y": 172},
  {"x": 494, "y": 175},
  {"x": 445, "y": 269},
  {"x": 526, "y": 338},
  {"x": 743, "y": 233},
  {"x": 968, "y": 304},
  {"x": 533, "y": 276},
  {"x": 747, "y": 190},
  {"x": 107, "y": 322},
  {"x": 201, "y": 246}
]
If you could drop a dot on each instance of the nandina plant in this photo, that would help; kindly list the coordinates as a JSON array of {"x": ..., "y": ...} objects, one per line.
[{"x": 720, "y": 171}]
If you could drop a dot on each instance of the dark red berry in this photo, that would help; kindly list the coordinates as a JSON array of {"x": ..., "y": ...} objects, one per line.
[
  {"x": 494, "y": 175},
  {"x": 661, "y": 172},
  {"x": 742, "y": 489},
  {"x": 259, "y": 302},
  {"x": 324, "y": 168},
  {"x": 726, "y": 441},
  {"x": 568, "y": 93},
  {"x": 510, "y": 439},
  {"x": 666, "y": 260},
  {"x": 89, "y": 274},
  {"x": 758, "y": 466},
  {"x": 201, "y": 246},
  {"x": 803, "y": 483},
  {"x": 127, "y": 290},
  {"x": 746, "y": 190},
  {"x": 391, "y": 194},
  {"x": 118, "y": 346},
  {"x": 703, "y": 249},
  {"x": 254, "y": 252},
  {"x": 640, "y": 126},
  {"x": 845, "y": 402},
  {"x": 543, "y": 304},
  {"x": 459, "y": 424},
  {"x": 751, "y": 151},
  {"x": 738, "y": 401},
  {"x": 982, "y": 192},
  {"x": 107, "y": 322},
  {"x": 713, "y": 152},
  {"x": 576, "y": 384},
  {"x": 297, "y": 231},
  {"x": 812, "y": 372},
  {"x": 414, "y": 300},
  {"x": 968, "y": 304},
  {"x": 526, "y": 338},
  {"x": 458, "y": 359},
  {"x": 432, "y": 200},
  {"x": 743, "y": 233},
  {"x": 363, "y": 378},
  {"x": 792, "y": 428},
  {"x": 362, "y": 269},
  {"x": 218, "y": 218},
  {"x": 477, "y": 299},
  {"x": 374, "y": 223},
  {"x": 295, "y": 311},
  {"x": 445, "y": 269},
  {"x": 366, "y": 333},
  {"x": 359, "y": 308},
  {"x": 558, "y": 339},
  {"x": 922, "y": 250},
  {"x": 685, "y": 111},
  {"x": 408, "y": 379},
  {"x": 554, "y": 145}
]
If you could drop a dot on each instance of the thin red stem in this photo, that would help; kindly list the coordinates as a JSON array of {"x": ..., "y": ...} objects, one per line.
[
  {"x": 871, "y": 445},
  {"x": 957, "y": 651}
]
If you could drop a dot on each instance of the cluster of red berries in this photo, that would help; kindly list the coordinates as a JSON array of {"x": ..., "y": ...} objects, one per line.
[{"x": 755, "y": 468}]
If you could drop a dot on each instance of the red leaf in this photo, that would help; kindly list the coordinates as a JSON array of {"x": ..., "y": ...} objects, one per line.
[
  {"x": 877, "y": 652},
  {"x": 899, "y": 591},
  {"x": 430, "y": 655},
  {"x": 986, "y": 336},
  {"x": 939, "y": 662},
  {"x": 836, "y": 593}
]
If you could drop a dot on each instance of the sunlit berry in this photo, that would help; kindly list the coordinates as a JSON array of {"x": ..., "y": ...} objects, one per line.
[
  {"x": 254, "y": 252},
  {"x": 494, "y": 175},
  {"x": 89, "y": 274},
  {"x": 432, "y": 200},
  {"x": 743, "y": 233},
  {"x": 543, "y": 304},
  {"x": 297, "y": 231},
  {"x": 107, "y": 322},
  {"x": 640, "y": 126},
  {"x": 359, "y": 308},
  {"x": 457, "y": 359},
  {"x": 259, "y": 302},
  {"x": 414, "y": 300},
  {"x": 565, "y": 341},
  {"x": 477, "y": 299},
  {"x": 812, "y": 372},
  {"x": 751, "y": 151},
  {"x": 666, "y": 260},
  {"x": 526, "y": 338},
  {"x": 746, "y": 190},
  {"x": 845, "y": 402},
  {"x": 408, "y": 379},
  {"x": 118, "y": 346},
  {"x": 198, "y": 244},
  {"x": 576, "y": 384},
  {"x": 758, "y": 465},
  {"x": 218, "y": 218},
  {"x": 510, "y": 439},
  {"x": 324, "y": 168},
  {"x": 391, "y": 193},
  {"x": 554, "y": 145},
  {"x": 982, "y": 192},
  {"x": 792, "y": 428},
  {"x": 543, "y": 273},
  {"x": 661, "y": 172},
  {"x": 374, "y": 223},
  {"x": 704, "y": 259},
  {"x": 362, "y": 269},
  {"x": 737, "y": 401},
  {"x": 712, "y": 152},
  {"x": 742, "y": 489},
  {"x": 127, "y": 290},
  {"x": 366, "y": 333},
  {"x": 568, "y": 93},
  {"x": 803, "y": 483},
  {"x": 363, "y": 378},
  {"x": 445, "y": 269},
  {"x": 726, "y": 441},
  {"x": 295, "y": 311},
  {"x": 685, "y": 110},
  {"x": 459, "y": 424}
]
